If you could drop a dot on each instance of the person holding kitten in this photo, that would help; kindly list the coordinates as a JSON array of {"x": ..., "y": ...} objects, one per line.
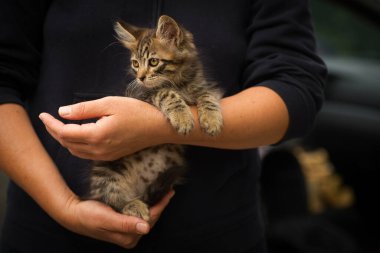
[{"x": 62, "y": 58}]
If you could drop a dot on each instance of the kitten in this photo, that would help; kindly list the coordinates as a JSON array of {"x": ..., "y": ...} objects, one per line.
[{"x": 169, "y": 75}]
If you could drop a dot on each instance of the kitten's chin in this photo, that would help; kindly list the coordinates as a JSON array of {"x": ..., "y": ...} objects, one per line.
[{"x": 150, "y": 83}]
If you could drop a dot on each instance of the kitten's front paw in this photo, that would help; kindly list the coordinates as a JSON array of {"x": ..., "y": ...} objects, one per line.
[
  {"x": 211, "y": 122},
  {"x": 182, "y": 122},
  {"x": 138, "y": 209}
]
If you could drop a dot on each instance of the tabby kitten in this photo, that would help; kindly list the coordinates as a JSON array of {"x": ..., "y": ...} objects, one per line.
[{"x": 169, "y": 75}]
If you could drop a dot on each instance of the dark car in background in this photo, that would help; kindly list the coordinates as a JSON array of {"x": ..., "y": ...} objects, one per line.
[{"x": 320, "y": 193}]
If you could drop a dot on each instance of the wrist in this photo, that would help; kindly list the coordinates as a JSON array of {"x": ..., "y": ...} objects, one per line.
[
  {"x": 63, "y": 211},
  {"x": 195, "y": 137},
  {"x": 159, "y": 130},
  {"x": 159, "y": 127}
]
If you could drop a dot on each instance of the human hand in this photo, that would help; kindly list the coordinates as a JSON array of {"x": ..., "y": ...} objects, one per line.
[
  {"x": 124, "y": 126},
  {"x": 99, "y": 221}
]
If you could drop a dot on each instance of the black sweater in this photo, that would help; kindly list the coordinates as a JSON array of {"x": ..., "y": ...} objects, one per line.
[{"x": 54, "y": 53}]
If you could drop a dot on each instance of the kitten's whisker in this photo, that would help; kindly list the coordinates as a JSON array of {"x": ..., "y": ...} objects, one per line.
[
  {"x": 109, "y": 45},
  {"x": 132, "y": 86}
]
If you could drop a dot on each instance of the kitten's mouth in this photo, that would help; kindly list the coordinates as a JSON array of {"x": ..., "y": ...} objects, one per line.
[{"x": 148, "y": 83}]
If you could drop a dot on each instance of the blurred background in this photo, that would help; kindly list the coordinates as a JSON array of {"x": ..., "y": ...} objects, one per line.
[
  {"x": 3, "y": 185},
  {"x": 319, "y": 193}
]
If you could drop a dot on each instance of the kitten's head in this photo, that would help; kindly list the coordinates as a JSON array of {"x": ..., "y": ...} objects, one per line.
[{"x": 165, "y": 55}]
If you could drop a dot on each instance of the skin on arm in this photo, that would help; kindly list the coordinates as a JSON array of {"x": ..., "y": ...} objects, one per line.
[
  {"x": 26, "y": 162},
  {"x": 254, "y": 117}
]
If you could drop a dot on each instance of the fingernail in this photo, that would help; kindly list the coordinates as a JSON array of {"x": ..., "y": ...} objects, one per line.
[
  {"x": 43, "y": 116},
  {"x": 64, "y": 110},
  {"x": 142, "y": 228}
]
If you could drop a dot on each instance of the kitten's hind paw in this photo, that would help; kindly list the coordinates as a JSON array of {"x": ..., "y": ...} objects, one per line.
[{"x": 138, "y": 209}]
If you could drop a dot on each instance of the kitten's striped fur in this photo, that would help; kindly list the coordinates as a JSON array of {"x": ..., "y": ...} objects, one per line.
[{"x": 170, "y": 76}]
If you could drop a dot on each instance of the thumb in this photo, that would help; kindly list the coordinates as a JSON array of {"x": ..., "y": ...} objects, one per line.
[
  {"x": 128, "y": 224},
  {"x": 85, "y": 110}
]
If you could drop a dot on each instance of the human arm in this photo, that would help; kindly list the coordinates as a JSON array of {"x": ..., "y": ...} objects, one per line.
[
  {"x": 281, "y": 65},
  {"x": 25, "y": 161},
  {"x": 254, "y": 117},
  {"x": 22, "y": 156}
]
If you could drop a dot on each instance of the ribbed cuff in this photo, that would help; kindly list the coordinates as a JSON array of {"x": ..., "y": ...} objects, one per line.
[
  {"x": 301, "y": 115},
  {"x": 9, "y": 95}
]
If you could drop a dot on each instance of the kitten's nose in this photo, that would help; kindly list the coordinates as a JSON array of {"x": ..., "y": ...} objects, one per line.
[{"x": 141, "y": 74}]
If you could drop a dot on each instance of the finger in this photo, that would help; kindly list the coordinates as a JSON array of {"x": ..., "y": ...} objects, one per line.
[
  {"x": 49, "y": 121},
  {"x": 78, "y": 133},
  {"x": 127, "y": 241},
  {"x": 156, "y": 210},
  {"x": 55, "y": 136},
  {"x": 88, "y": 155},
  {"x": 83, "y": 155},
  {"x": 52, "y": 125},
  {"x": 66, "y": 142},
  {"x": 66, "y": 132},
  {"x": 78, "y": 149},
  {"x": 85, "y": 110},
  {"x": 126, "y": 224},
  {"x": 73, "y": 133}
]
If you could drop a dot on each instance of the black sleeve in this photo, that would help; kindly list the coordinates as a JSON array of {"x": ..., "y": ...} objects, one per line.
[
  {"x": 21, "y": 32},
  {"x": 282, "y": 56}
]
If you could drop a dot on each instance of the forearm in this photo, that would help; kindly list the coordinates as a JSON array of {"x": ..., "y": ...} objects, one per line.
[
  {"x": 252, "y": 118},
  {"x": 25, "y": 161}
]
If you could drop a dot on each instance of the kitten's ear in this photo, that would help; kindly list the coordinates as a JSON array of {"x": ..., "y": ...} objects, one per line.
[
  {"x": 126, "y": 34},
  {"x": 169, "y": 30}
]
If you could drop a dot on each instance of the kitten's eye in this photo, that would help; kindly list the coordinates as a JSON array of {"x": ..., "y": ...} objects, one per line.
[
  {"x": 135, "y": 63},
  {"x": 153, "y": 62}
]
